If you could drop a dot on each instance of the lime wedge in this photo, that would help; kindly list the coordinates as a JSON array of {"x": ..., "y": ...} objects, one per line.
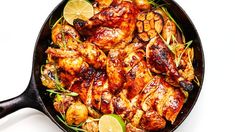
[{"x": 111, "y": 123}]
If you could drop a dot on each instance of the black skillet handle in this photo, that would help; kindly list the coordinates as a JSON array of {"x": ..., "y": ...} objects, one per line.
[{"x": 29, "y": 98}]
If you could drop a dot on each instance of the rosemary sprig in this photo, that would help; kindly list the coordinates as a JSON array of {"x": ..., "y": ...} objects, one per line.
[
  {"x": 59, "y": 89},
  {"x": 63, "y": 38},
  {"x": 57, "y": 82},
  {"x": 64, "y": 92}
]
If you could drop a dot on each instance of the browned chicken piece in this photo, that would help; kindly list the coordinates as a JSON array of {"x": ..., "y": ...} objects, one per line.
[
  {"x": 173, "y": 105},
  {"x": 152, "y": 121},
  {"x": 65, "y": 36},
  {"x": 149, "y": 89},
  {"x": 111, "y": 26},
  {"x": 72, "y": 65},
  {"x": 132, "y": 56},
  {"x": 160, "y": 96},
  {"x": 131, "y": 59},
  {"x": 92, "y": 55},
  {"x": 123, "y": 106},
  {"x": 135, "y": 121},
  {"x": 100, "y": 85},
  {"x": 85, "y": 52},
  {"x": 67, "y": 79},
  {"x": 157, "y": 97},
  {"x": 137, "y": 78},
  {"x": 68, "y": 60},
  {"x": 160, "y": 59},
  {"x": 120, "y": 62},
  {"x": 115, "y": 70},
  {"x": 149, "y": 25},
  {"x": 107, "y": 103},
  {"x": 131, "y": 128},
  {"x": 61, "y": 53},
  {"x": 83, "y": 86}
]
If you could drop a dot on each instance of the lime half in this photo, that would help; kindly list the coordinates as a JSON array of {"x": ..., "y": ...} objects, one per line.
[
  {"x": 81, "y": 9},
  {"x": 111, "y": 123}
]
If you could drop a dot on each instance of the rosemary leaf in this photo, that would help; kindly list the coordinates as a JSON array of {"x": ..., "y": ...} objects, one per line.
[
  {"x": 72, "y": 94},
  {"x": 51, "y": 91},
  {"x": 57, "y": 82},
  {"x": 64, "y": 92}
]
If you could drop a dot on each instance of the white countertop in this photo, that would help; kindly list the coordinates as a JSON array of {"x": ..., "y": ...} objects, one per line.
[{"x": 20, "y": 23}]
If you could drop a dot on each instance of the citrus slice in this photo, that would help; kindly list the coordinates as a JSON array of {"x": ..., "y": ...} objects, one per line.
[
  {"x": 111, "y": 123},
  {"x": 74, "y": 9}
]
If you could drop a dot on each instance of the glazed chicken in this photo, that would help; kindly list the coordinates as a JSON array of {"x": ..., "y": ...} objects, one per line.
[
  {"x": 156, "y": 100},
  {"x": 120, "y": 66},
  {"x": 111, "y": 27},
  {"x": 161, "y": 60},
  {"x": 120, "y": 62}
]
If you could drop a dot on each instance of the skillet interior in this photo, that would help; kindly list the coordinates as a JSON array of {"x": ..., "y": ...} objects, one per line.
[{"x": 44, "y": 40}]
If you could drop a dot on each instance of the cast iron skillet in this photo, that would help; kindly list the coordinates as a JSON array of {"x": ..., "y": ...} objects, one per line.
[{"x": 35, "y": 96}]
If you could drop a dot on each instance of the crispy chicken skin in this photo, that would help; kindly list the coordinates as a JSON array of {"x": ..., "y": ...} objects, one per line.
[
  {"x": 162, "y": 97},
  {"x": 86, "y": 52},
  {"x": 137, "y": 78},
  {"x": 115, "y": 70},
  {"x": 160, "y": 59},
  {"x": 120, "y": 62},
  {"x": 92, "y": 55},
  {"x": 151, "y": 120},
  {"x": 111, "y": 26},
  {"x": 64, "y": 34},
  {"x": 100, "y": 84}
]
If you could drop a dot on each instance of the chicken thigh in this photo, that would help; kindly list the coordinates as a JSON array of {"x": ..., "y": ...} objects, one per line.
[{"x": 111, "y": 26}]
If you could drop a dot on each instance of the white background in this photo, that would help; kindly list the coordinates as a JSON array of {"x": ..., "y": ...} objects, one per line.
[{"x": 20, "y": 23}]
